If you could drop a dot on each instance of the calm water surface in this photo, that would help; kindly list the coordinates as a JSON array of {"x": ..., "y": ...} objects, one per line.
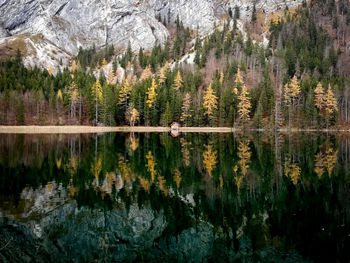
[{"x": 194, "y": 198}]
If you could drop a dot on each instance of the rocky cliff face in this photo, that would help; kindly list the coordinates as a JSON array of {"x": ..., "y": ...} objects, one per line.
[{"x": 70, "y": 24}]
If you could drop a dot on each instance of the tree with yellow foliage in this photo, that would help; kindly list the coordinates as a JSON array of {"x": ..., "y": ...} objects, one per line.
[
  {"x": 73, "y": 93},
  {"x": 178, "y": 81},
  {"x": 238, "y": 80},
  {"x": 74, "y": 66},
  {"x": 124, "y": 92},
  {"x": 151, "y": 94},
  {"x": 210, "y": 102},
  {"x": 319, "y": 97},
  {"x": 331, "y": 104},
  {"x": 50, "y": 70},
  {"x": 209, "y": 159},
  {"x": 162, "y": 73},
  {"x": 134, "y": 117},
  {"x": 146, "y": 73},
  {"x": 96, "y": 92},
  {"x": 291, "y": 92},
  {"x": 222, "y": 76},
  {"x": 104, "y": 62},
  {"x": 111, "y": 77},
  {"x": 59, "y": 95},
  {"x": 244, "y": 105},
  {"x": 186, "y": 108}
]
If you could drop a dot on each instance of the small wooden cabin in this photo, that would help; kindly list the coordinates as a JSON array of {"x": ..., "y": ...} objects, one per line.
[{"x": 175, "y": 126}]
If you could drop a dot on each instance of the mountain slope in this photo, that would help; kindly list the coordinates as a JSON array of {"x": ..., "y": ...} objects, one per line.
[{"x": 71, "y": 24}]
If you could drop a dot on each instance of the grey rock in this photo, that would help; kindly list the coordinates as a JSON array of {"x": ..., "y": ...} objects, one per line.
[{"x": 71, "y": 24}]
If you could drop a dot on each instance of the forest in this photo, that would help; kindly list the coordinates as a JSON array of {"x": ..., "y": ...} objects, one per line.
[{"x": 299, "y": 79}]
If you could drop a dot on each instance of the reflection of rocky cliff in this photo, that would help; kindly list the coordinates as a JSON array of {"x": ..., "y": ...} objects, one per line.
[
  {"x": 51, "y": 227},
  {"x": 69, "y": 233}
]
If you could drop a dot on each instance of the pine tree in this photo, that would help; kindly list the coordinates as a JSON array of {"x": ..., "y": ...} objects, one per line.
[
  {"x": 151, "y": 94},
  {"x": 178, "y": 81},
  {"x": 210, "y": 102},
  {"x": 167, "y": 116},
  {"x": 244, "y": 105},
  {"x": 96, "y": 92}
]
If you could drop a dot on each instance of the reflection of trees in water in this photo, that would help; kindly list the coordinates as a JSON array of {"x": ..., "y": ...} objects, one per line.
[
  {"x": 209, "y": 159},
  {"x": 325, "y": 161},
  {"x": 177, "y": 178},
  {"x": 186, "y": 151},
  {"x": 151, "y": 164},
  {"x": 292, "y": 171},
  {"x": 165, "y": 178}
]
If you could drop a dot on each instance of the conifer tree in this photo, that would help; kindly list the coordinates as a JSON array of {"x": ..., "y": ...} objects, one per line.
[
  {"x": 111, "y": 80},
  {"x": 151, "y": 94},
  {"x": 134, "y": 117},
  {"x": 50, "y": 70},
  {"x": 146, "y": 73},
  {"x": 162, "y": 73},
  {"x": 167, "y": 116},
  {"x": 124, "y": 92},
  {"x": 73, "y": 94},
  {"x": 319, "y": 97},
  {"x": 178, "y": 81},
  {"x": 238, "y": 80},
  {"x": 96, "y": 92},
  {"x": 74, "y": 66},
  {"x": 104, "y": 62},
  {"x": 331, "y": 104},
  {"x": 210, "y": 102},
  {"x": 291, "y": 92},
  {"x": 244, "y": 105},
  {"x": 222, "y": 76},
  {"x": 186, "y": 108}
]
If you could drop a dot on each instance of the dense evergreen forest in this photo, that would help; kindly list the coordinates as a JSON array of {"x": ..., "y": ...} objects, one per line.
[{"x": 300, "y": 79}]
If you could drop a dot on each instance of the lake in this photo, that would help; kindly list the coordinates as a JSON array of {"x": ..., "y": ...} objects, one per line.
[{"x": 120, "y": 197}]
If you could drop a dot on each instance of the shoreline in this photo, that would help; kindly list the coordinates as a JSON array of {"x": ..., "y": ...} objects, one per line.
[{"x": 139, "y": 129}]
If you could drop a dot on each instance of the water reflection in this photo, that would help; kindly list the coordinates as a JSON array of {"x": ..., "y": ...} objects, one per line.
[{"x": 151, "y": 197}]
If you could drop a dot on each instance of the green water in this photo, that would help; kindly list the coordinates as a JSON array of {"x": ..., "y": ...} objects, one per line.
[{"x": 194, "y": 198}]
